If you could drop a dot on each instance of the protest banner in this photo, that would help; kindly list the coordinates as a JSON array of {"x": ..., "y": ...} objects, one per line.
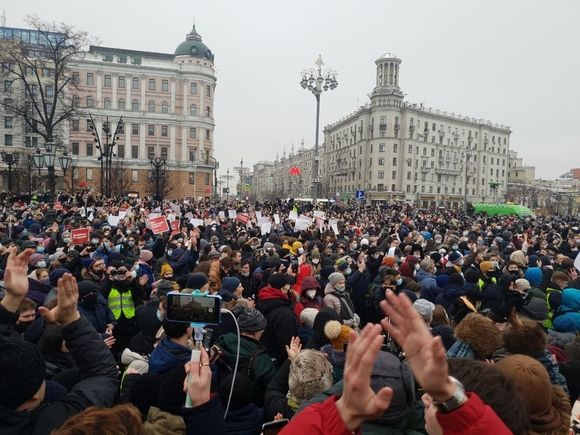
[
  {"x": 80, "y": 236},
  {"x": 158, "y": 225}
]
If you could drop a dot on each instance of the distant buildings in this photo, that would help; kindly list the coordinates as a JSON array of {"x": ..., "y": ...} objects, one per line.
[
  {"x": 167, "y": 104},
  {"x": 394, "y": 150}
]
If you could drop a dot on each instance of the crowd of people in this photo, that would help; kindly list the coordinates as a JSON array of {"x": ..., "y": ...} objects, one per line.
[{"x": 336, "y": 319}]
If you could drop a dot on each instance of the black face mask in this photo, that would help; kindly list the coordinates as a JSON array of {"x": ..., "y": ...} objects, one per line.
[
  {"x": 90, "y": 300},
  {"x": 22, "y": 327}
]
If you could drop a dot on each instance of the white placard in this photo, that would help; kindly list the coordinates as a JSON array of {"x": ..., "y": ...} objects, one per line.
[
  {"x": 153, "y": 215},
  {"x": 232, "y": 214},
  {"x": 171, "y": 217},
  {"x": 335, "y": 229},
  {"x": 122, "y": 214},
  {"x": 175, "y": 209},
  {"x": 293, "y": 215},
  {"x": 113, "y": 220},
  {"x": 277, "y": 219},
  {"x": 319, "y": 213},
  {"x": 266, "y": 228},
  {"x": 189, "y": 215},
  {"x": 302, "y": 224},
  {"x": 196, "y": 222},
  {"x": 263, "y": 220},
  {"x": 91, "y": 217},
  {"x": 303, "y": 216},
  {"x": 221, "y": 214},
  {"x": 258, "y": 215}
]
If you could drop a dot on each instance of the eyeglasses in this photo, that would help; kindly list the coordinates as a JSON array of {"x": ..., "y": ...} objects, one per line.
[{"x": 122, "y": 271}]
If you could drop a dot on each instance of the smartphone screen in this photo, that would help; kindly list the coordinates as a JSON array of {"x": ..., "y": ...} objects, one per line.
[
  {"x": 202, "y": 310},
  {"x": 274, "y": 427}
]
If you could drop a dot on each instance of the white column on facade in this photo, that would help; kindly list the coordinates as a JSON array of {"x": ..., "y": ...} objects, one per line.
[
  {"x": 99, "y": 89},
  {"x": 172, "y": 142},
  {"x": 397, "y": 81},
  {"x": 172, "y": 103},
  {"x": 143, "y": 90},
  {"x": 383, "y": 75},
  {"x": 142, "y": 146},
  {"x": 185, "y": 102},
  {"x": 128, "y": 84},
  {"x": 184, "y": 136},
  {"x": 114, "y": 79}
]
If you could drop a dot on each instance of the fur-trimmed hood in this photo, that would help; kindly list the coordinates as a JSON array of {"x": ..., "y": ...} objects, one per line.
[{"x": 480, "y": 332}]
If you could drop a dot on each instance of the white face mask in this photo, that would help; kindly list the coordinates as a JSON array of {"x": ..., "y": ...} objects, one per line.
[
  {"x": 41, "y": 264},
  {"x": 417, "y": 266},
  {"x": 315, "y": 260},
  {"x": 311, "y": 293}
]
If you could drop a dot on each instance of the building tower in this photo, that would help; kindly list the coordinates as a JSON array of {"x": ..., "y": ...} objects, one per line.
[{"x": 387, "y": 82}]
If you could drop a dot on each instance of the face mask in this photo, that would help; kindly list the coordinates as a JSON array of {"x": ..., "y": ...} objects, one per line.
[
  {"x": 134, "y": 274},
  {"x": 315, "y": 260},
  {"x": 311, "y": 293},
  {"x": 169, "y": 252},
  {"x": 300, "y": 251},
  {"x": 131, "y": 243},
  {"x": 22, "y": 327},
  {"x": 417, "y": 266},
  {"x": 348, "y": 271},
  {"x": 353, "y": 246},
  {"x": 375, "y": 256},
  {"x": 90, "y": 300},
  {"x": 460, "y": 262},
  {"x": 128, "y": 232},
  {"x": 94, "y": 241},
  {"x": 40, "y": 249},
  {"x": 399, "y": 281},
  {"x": 41, "y": 264},
  {"x": 159, "y": 316},
  {"x": 46, "y": 282},
  {"x": 494, "y": 263},
  {"x": 339, "y": 288},
  {"x": 66, "y": 240},
  {"x": 245, "y": 274},
  {"x": 99, "y": 275},
  {"x": 454, "y": 248}
]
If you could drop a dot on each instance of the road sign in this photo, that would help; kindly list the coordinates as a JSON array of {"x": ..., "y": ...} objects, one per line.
[{"x": 359, "y": 194}]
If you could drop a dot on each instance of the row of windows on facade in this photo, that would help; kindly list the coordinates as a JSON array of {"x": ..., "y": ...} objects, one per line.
[
  {"x": 151, "y": 106},
  {"x": 151, "y": 129},
  {"x": 431, "y": 190},
  {"x": 349, "y": 134},
  {"x": 440, "y": 179},
  {"x": 135, "y": 83},
  {"x": 135, "y": 176},
  {"x": 121, "y": 153}
]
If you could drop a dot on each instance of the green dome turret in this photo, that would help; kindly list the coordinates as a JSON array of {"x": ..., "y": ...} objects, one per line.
[{"x": 193, "y": 46}]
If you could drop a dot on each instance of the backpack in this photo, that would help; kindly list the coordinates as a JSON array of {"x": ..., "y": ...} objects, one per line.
[{"x": 243, "y": 374}]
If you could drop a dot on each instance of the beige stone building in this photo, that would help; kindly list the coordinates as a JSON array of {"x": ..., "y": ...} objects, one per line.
[{"x": 167, "y": 104}]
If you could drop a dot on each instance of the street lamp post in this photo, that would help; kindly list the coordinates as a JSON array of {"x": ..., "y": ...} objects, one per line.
[
  {"x": 10, "y": 159},
  {"x": 317, "y": 81},
  {"x": 216, "y": 166},
  {"x": 157, "y": 164},
  {"x": 228, "y": 184},
  {"x": 468, "y": 153},
  {"x": 241, "y": 178},
  {"x": 48, "y": 160},
  {"x": 106, "y": 150}
]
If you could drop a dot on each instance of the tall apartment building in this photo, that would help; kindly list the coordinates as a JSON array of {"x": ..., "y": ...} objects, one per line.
[
  {"x": 166, "y": 101},
  {"x": 395, "y": 150}
]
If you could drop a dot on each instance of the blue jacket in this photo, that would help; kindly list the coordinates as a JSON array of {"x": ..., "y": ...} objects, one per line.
[
  {"x": 168, "y": 355},
  {"x": 571, "y": 305},
  {"x": 429, "y": 287},
  {"x": 99, "y": 316}
]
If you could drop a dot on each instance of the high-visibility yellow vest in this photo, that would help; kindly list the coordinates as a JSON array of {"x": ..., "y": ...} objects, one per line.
[
  {"x": 548, "y": 322},
  {"x": 121, "y": 303},
  {"x": 481, "y": 283}
]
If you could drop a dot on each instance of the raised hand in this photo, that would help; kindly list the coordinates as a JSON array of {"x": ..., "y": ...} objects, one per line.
[
  {"x": 197, "y": 383},
  {"x": 16, "y": 278},
  {"x": 425, "y": 353},
  {"x": 359, "y": 402},
  {"x": 294, "y": 349},
  {"x": 67, "y": 296}
]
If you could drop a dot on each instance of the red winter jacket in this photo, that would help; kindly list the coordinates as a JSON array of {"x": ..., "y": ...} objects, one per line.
[{"x": 473, "y": 418}]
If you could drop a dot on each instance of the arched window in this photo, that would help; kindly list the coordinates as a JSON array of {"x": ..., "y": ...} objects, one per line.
[
  {"x": 151, "y": 106},
  {"x": 135, "y": 105},
  {"x": 193, "y": 109},
  {"x": 90, "y": 102},
  {"x": 164, "y": 107},
  {"x": 121, "y": 104},
  {"x": 107, "y": 103}
]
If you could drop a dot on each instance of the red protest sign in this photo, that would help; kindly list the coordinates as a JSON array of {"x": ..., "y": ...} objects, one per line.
[
  {"x": 80, "y": 236},
  {"x": 58, "y": 206},
  {"x": 175, "y": 227},
  {"x": 243, "y": 217},
  {"x": 158, "y": 225}
]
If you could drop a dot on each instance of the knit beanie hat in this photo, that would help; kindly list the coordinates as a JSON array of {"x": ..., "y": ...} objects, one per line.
[
  {"x": 88, "y": 262},
  {"x": 486, "y": 266},
  {"x": 164, "y": 286},
  {"x": 335, "y": 277},
  {"x": 165, "y": 269},
  {"x": 341, "y": 263},
  {"x": 389, "y": 261},
  {"x": 455, "y": 256},
  {"x": 307, "y": 317},
  {"x": 315, "y": 254},
  {"x": 249, "y": 319},
  {"x": 424, "y": 308},
  {"x": 35, "y": 258},
  {"x": 520, "y": 258},
  {"x": 564, "y": 324},
  {"x": 22, "y": 371},
  {"x": 309, "y": 283},
  {"x": 230, "y": 283},
  {"x": 456, "y": 279},
  {"x": 57, "y": 274},
  {"x": 310, "y": 374},
  {"x": 337, "y": 333},
  {"x": 278, "y": 280},
  {"x": 532, "y": 381},
  {"x": 535, "y": 308},
  {"x": 197, "y": 280},
  {"x": 534, "y": 275},
  {"x": 145, "y": 255}
]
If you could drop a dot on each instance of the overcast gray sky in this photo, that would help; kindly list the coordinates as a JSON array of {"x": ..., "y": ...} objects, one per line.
[{"x": 512, "y": 62}]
